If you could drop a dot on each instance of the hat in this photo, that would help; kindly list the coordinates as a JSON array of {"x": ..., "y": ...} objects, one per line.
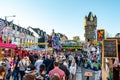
[{"x": 30, "y": 68}]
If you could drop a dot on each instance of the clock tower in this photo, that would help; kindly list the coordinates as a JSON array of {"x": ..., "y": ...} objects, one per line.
[{"x": 90, "y": 25}]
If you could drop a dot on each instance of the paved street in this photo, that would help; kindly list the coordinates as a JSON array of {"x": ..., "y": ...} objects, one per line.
[
  {"x": 79, "y": 74},
  {"x": 81, "y": 71}
]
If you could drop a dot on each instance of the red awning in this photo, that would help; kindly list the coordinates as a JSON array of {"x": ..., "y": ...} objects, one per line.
[{"x": 8, "y": 45}]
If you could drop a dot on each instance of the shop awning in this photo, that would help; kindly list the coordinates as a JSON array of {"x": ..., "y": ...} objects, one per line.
[{"x": 7, "y": 45}]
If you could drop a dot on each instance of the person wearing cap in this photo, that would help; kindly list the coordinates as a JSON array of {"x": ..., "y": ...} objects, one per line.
[{"x": 30, "y": 70}]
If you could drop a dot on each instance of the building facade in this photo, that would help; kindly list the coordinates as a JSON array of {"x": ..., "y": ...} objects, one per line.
[
  {"x": 40, "y": 36},
  {"x": 16, "y": 34},
  {"x": 90, "y": 25}
]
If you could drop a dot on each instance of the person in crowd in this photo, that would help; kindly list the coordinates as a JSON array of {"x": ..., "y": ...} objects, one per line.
[
  {"x": 32, "y": 58},
  {"x": 66, "y": 63},
  {"x": 23, "y": 64},
  {"x": 73, "y": 70},
  {"x": 70, "y": 58},
  {"x": 42, "y": 74},
  {"x": 116, "y": 62},
  {"x": 29, "y": 77},
  {"x": 16, "y": 68},
  {"x": 55, "y": 77},
  {"x": 38, "y": 63},
  {"x": 92, "y": 64},
  {"x": 5, "y": 62},
  {"x": 30, "y": 70},
  {"x": 9, "y": 74},
  {"x": 62, "y": 56},
  {"x": 55, "y": 55},
  {"x": 64, "y": 68},
  {"x": 48, "y": 63},
  {"x": 96, "y": 66},
  {"x": 57, "y": 71},
  {"x": 12, "y": 64},
  {"x": 2, "y": 73},
  {"x": 78, "y": 60},
  {"x": 81, "y": 59}
]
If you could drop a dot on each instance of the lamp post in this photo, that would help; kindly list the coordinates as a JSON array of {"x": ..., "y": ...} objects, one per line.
[
  {"x": 9, "y": 16},
  {"x": 8, "y": 28}
]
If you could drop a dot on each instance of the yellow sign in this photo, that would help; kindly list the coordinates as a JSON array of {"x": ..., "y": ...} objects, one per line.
[
  {"x": 79, "y": 47},
  {"x": 34, "y": 43}
]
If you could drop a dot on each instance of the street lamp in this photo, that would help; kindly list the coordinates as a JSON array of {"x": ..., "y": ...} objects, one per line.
[{"x": 8, "y": 17}]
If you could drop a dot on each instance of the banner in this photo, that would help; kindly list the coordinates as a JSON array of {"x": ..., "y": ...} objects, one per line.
[{"x": 100, "y": 35}]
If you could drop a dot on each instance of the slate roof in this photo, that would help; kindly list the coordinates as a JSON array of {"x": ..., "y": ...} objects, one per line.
[{"x": 17, "y": 27}]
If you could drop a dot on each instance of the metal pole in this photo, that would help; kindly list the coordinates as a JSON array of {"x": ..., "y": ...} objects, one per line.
[{"x": 87, "y": 78}]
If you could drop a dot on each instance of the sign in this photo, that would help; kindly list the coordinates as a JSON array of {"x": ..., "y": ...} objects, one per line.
[
  {"x": 88, "y": 74},
  {"x": 100, "y": 35},
  {"x": 110, "y": 48}
]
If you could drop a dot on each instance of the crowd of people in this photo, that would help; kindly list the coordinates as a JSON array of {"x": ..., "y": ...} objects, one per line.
[
  {"x": 38, "y": 67},
  {"x": 56, "y": 66}
]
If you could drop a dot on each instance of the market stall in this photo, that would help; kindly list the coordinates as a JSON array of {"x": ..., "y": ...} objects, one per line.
[{"x": 7, "y": 49}]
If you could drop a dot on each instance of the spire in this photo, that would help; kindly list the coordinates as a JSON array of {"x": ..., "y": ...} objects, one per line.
[
  {"x": 95, "y": 16},
  {"x": 90, "y": 16}
]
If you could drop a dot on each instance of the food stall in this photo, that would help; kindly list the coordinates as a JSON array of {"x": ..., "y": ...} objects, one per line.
[{"x": 7, "y": 49}]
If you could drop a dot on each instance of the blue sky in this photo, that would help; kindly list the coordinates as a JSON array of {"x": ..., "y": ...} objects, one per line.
[{"x": 65, "y": 16}]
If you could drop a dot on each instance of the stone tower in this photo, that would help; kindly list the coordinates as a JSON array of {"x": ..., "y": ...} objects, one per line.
[{"x": 90, "y": 24}]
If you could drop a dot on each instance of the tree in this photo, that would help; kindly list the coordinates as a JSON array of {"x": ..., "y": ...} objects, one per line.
[{"x": 77, "y": 39}]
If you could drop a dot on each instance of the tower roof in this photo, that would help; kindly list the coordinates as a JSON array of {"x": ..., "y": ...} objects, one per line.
[{"x": 90, "y": 16}]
